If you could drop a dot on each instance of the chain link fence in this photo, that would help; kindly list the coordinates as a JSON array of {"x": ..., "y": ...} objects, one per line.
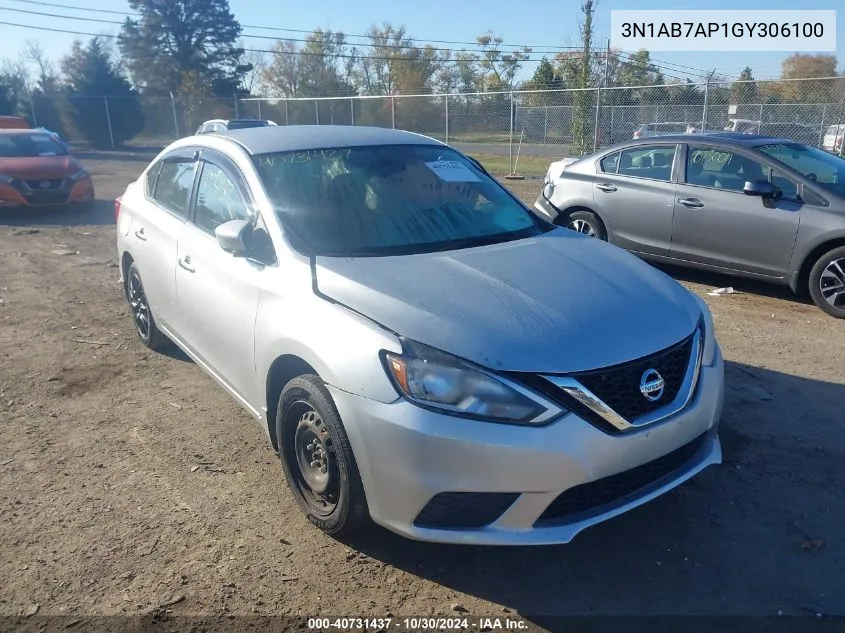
[{"x": 540, "y": 122}]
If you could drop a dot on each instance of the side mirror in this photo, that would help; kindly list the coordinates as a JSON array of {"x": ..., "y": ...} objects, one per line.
[
  {"x": 761, "y": 188},
  {"x": 235, "y": 236}
]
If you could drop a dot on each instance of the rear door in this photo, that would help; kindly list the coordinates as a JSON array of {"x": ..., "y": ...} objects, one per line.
[
  {"x": 635, "y": 192},
  {"x": 157, "y": 222},
  {"x": 716, "y": 224}
]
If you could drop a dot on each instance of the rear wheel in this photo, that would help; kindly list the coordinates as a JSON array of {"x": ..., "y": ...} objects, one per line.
[
  {"x": 142, "y": 316},
  {"x": 827, "y": 282},
  {"x": 585, "y": 222},
  {"x": 317, "y": 458}
]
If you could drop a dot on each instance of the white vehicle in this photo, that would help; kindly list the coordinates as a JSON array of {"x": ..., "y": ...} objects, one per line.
[
  {"x": 833, "y": 138},
  {"x": 647, "y": 130},
  {"x": 743, "y": 126}
]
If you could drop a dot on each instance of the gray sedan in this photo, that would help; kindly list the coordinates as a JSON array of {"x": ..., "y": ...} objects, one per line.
[
  {"x": 382, "y": 307},
  {"x": 764, "y": 208}
]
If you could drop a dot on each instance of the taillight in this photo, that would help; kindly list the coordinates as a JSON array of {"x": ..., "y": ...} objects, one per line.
[
  {"x": 636, "y": 134},
  {"x": 116, "y": 209}
]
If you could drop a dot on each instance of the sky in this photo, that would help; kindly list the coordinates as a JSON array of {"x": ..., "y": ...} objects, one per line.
[{"x": 540, "y": 24}]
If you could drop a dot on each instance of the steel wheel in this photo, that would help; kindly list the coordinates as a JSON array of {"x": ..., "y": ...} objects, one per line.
[
  {"x": 832, "y": 283},
  {"x": 139, "y": 305},
  {"x": 316, "y": 473},
  {"x": 582, "y": 226}
]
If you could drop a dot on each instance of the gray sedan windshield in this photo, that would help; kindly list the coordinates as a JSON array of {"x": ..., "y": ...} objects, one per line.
[
  {"x": 817, "y": 165},
  {"x": 388, "y": 200}
]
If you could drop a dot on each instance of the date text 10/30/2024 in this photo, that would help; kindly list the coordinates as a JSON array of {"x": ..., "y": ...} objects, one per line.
[{"x": 417, "y": 624}]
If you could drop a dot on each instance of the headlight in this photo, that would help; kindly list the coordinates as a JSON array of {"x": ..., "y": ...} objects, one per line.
[
  {"x": 82, "y": 173},
  {"x": 435, "y": 380},
  {"x": 707, "y": 356},
  {"x": 6, "y": 180}
]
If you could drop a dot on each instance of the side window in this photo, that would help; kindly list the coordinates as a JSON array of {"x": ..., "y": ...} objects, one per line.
[
  {"x": 152, "y": 176},
  {"x": 788, "y": 188},
  {"x": 722, "y": 169},
  {"x": 609, "y": 164},
  {"x": 648, "y": 162},
  {"x": 218, "y": 199},
  {"x": 174, "y": 184}
]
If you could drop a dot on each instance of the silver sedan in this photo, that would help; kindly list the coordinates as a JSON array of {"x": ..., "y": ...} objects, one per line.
[
  {"x": 420, "y": 349},
  {"x": 764, "y": 208}
]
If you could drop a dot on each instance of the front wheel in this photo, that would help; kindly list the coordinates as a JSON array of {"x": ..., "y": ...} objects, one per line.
[
  {"x": 585, "y": 222},
  {"x": 317, "y": 458},
  {"x": 827, "y": 282}
]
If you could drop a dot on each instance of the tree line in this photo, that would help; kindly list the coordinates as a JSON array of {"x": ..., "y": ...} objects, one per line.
[{"x": 193, "y": 50}]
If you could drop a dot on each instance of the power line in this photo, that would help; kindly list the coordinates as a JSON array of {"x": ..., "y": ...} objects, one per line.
[{"x": 279, "y": 29}]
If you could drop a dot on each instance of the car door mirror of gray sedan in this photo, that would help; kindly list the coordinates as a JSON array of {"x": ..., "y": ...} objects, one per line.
[
  {"x": 761, "y": 188},
  {"x": 235, "y": 236}
]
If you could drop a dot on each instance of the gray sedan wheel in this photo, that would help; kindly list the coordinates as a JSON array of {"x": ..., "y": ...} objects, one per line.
[
  {"x": 827, "y": 282},
  {"x": 585, "y": 222}
]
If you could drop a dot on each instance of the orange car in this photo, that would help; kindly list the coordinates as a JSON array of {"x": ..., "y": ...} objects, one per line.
[{"x": 36, "y": 170}]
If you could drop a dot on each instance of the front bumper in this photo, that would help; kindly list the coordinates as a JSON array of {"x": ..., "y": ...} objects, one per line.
[
  {"x": 407, "y": 455},
  {"x": 58, "y": 192}
]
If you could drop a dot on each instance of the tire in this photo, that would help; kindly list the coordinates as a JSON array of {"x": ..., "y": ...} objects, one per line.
[
  {"x": 827, "y": 276},
  {"x": 331, "y": 494},
  {"x": 584, "y": 222},
  {"x": 142, "y": 316}
]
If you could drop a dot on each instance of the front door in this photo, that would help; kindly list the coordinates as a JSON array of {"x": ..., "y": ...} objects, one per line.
[{"x": 717, "y": 224}]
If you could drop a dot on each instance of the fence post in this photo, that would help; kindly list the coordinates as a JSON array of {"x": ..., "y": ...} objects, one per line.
[
  {"x": 545, "y": 123},
  {"x": 259, "y": 108},
  {"x": 237, "y": 114},
  {"x": 704, "y": 114},
  {"x": 317, "y": 110},
  {"x": 175, "y": 117},
  {"x": 352, "y": 109},
  {"x": 393, "y": 111},
  {"x": 761, "y": 113},
  {"x": 287, "y": 117},
  {"x": 446, "y": 99},
  {"x": 821, "y": 127},
  {"x": 108, "y": 120},
  {"x": 34, "y": 115},
  {"x": 510, "y": 136},
  {"x": 596, "y": 129},
  {"x": 612, "y": 124}
]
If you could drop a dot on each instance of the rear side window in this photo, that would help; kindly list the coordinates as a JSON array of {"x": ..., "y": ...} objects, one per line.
[
  {"x": 175, "y": 181},
  {"x": 152, "y": 176},
  {"x": 608, "y": 164},
  {"x": 654, "y": 163}
]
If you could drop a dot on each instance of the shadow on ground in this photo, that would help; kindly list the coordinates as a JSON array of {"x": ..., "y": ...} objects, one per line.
[
  {"x": 719, "y": 544},
  {"x": 100, "y": 213},
  {"x": 717, "y": 280}
]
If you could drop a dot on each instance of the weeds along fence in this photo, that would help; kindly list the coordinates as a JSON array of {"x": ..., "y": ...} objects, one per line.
[{"x": 558, "y": 121}]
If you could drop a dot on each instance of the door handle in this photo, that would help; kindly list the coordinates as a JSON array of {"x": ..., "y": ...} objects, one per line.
[
  {"x": 607, "y": 188},
  {"x": 140, "y": 235},
  {"x": 692, "y": 203},
  {"x": 185, "y": 263}
]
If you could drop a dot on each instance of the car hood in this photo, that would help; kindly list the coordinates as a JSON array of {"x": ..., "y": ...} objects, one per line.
[
  {"x": 38, "y": 167},
  {"x": 556, "y": 303}
]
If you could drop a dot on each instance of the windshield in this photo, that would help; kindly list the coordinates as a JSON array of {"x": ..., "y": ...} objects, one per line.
[
  {"x": 817, "y": 165},
  {"x": 29, "y": 146},
  {"x": 390, "y": 200}
]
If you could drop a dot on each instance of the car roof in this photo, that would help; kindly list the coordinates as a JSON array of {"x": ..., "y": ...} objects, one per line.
[
  {"x": 287, "y": 138},
  {"x": 727, "y": 138},
  {"x": 22, "y": 132}
]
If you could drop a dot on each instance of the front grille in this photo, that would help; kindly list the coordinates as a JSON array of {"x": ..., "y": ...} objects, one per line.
[
  {"x": 594, "y": 497},
  {"x": 53, "y": 183},
  {"x": 46, "y": 197},
  {"x": 464, "y": 509},
  {"x": 619, "y": 386}
]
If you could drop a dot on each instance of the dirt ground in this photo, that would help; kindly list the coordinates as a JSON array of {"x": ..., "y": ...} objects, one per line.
[{"x": 131, "y": 484}]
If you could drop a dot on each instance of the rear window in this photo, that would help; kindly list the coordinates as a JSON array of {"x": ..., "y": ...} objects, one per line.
[{"x": 240, "y": 125}]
